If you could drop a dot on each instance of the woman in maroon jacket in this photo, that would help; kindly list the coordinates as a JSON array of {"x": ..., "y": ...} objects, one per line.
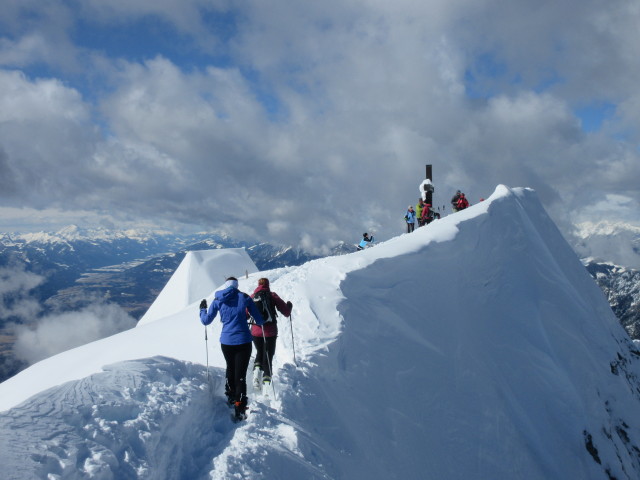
[{"x": 265, "y": 339}]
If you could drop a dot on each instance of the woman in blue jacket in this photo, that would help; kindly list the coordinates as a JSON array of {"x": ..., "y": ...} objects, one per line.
[
  {"x": 235, "y": 338},
  {"x": 410, "y": 217}
]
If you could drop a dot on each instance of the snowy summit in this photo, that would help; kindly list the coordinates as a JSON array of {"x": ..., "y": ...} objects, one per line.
[{"x": 477, "y": 347}]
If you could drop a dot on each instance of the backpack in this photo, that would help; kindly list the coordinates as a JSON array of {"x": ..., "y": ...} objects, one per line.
[{"x": 265, "y": 305}]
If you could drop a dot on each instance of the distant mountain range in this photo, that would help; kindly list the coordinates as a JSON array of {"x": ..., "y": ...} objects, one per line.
[{"x": 130, "y": 268}]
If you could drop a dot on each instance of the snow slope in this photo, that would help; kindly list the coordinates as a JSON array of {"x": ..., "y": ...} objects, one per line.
[
  {"x": 199, "y": 273},
  {"x": 475, "y": 347}
]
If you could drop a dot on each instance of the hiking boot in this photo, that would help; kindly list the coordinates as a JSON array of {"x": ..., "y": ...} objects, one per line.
[
  {"x": 266, "y": 380},
  {"x": 241, "y": 408}
]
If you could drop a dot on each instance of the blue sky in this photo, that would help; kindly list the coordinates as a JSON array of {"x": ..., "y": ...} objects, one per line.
[{"x": 208, "y": 114}]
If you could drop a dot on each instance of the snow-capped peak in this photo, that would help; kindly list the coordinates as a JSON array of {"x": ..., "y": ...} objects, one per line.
[{"x": 73, "y": 233}]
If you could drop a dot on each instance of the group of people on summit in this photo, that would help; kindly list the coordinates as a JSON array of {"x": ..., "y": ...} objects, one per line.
[{"x": 423, "y": 214}]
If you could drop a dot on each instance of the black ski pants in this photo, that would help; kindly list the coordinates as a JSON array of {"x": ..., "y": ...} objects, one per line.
[
  {"x": 264, "y": 353},
  {"x": 237, "y": 358}
]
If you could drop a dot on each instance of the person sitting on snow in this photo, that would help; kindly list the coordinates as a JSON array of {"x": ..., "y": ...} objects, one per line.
[{"x": 366, "y": 240}]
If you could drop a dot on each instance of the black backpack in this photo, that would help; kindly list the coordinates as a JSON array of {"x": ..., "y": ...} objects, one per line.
[{"x": 265, "y": 305}]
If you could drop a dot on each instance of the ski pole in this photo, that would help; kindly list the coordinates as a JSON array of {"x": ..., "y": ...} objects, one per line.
[
  {"x": 293, "y": 344},
  {"x": 206, "y": 346}
]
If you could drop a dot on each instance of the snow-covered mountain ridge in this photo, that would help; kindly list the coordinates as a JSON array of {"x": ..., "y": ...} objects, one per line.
[
  {"x": 476, "y": 347},
  {"x": 73, "y": 253}
]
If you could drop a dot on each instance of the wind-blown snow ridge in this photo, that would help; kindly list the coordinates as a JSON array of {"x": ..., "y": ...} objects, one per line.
[
  {"x": 475, "y": 347},
  {"x": 199, "y": 274}
]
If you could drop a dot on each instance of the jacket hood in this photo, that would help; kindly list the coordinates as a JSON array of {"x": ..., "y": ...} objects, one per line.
[
  {"x": 260, "y": 288},
  {"x": 227, "y": 294}
]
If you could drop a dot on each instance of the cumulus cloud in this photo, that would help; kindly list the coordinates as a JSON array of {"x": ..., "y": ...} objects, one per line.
[
  {"x": 307, "y": 124},
  {"x": 15, "y": 287},
  {"x": 56, "y": 333}
]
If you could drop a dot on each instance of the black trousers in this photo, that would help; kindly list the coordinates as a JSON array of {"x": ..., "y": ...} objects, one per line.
[
  {"x": 265, "y": 352},
  {"x": 410, "y": 227},
  {"x": 237, "y": 358}
]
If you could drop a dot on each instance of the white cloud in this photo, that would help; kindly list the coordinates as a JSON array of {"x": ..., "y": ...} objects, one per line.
[
  {"x": 610, "y": 208},
  {"x": 15, "y": 285},
  {"x": 28, "y": 49},
  {"x": 56, "y": 333},
  {"x": 321, "y": 116}
]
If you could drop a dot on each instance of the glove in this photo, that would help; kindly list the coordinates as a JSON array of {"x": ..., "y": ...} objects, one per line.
[
  {"x": 203, "y": 304},
  {"x": 290, "y": 305}
]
